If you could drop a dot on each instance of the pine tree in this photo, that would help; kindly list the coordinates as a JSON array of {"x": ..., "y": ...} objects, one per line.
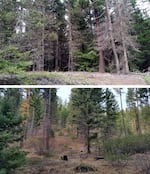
[
  {"x": 10, "y": 132},
  {"x": 133, "y": 104},
  {"x": 50, "y": 101},
  {"x": 111, "y": 109},
  {"x": 95, "y": 113},
  {"x": 142, "y": 30}
]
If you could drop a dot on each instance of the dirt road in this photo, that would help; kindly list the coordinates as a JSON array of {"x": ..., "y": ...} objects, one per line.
[{"x": 74, "y": 78}]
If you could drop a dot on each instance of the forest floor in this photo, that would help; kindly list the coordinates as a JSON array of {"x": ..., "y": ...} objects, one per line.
[
  {"x": 75, "y": 78},
  {"x": 63, "y": 144}
]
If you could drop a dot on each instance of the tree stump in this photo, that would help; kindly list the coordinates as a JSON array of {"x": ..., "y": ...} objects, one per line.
[{"x": 64, "y": 157}]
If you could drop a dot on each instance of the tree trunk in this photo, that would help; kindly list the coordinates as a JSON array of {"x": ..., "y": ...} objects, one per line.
[
  {"x": 88, "y": 141},
  {"x": 70, "y": 61},
  {"x": 47, "y": 121},
  {"x": 99, "y": 45},
  {"x": 87, "y": 124},
  {"x": 125, "y": 58},
  {"x": 42, "y": 44},
  {"x": 43, "y": 50},
  {"x": 57, "y": 55},
  {"x": 138, "y": 126},
  {"x": 27, "y": 126},
  {"x": 122, "y": 112},
  {"x": 31, "y": 133},
  {"x": 112, "y": 38},
  {"x": 100, "y": 51}
]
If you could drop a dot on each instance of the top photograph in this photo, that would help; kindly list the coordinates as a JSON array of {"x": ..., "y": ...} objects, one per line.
[{"x": 74, "y": 42}]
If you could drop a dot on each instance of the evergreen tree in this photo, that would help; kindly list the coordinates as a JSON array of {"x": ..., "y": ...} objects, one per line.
[
  {"x": 95, "y": 113},
  {"x": 111, "y": 110},
  {"x": 63, "y": 112},
  {"x": 50, "y": 100},
  {"x": 133, "y": 104},
  {"x": 10, "y": 132},
  {"x": 12, "y": 58}
]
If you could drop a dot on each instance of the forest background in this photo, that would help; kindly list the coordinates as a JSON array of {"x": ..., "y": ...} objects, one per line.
[{"x": 74, "y": 35}]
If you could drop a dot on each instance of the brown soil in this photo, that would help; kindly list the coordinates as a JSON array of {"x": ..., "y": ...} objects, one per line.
[{"x": 63, "y": 144}]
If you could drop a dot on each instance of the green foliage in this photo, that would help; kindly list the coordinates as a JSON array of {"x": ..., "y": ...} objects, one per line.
[
  {"x": 36, "y": 19},
  {"x": 86, "y": 61},
  {"x": 147, "y": 79},
  {"x": 12, "y": 61},
  {"x": 94, "y": 111},
  {"x": 36, "y": 105},
  {"x": 10, "y": 52},
  {"x": 141, "y": 29},
  {"x": 11, "y": 132},
  {"x": 10, "y": 159},
  {"x": 52, "y": 133},
  {"x": 108, "y": 124},
  {"x": 128, "y": 145},
  {"x": 63, "y": 115},
  {"x": 116, "y": 157},
  {"x": 8, "y": 67}
]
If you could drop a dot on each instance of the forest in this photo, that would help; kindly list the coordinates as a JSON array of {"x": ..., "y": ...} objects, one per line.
[
  {"x": 74, "y": 35},
  {"x": 99, "y": 130}
]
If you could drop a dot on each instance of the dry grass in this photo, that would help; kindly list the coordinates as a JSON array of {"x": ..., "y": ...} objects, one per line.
[
  {"x": 53, "y": 166},
  {"x": 75, "y": 78},
  {"x": 63, "y": 144}
]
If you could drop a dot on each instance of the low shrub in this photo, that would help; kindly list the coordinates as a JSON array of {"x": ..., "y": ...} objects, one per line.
[
  {"x": 10, "y": 159},
  {"x": 147, "y": 79},
  {"x": 82, "y": 168},
  {"x": 128, "y": 145}
]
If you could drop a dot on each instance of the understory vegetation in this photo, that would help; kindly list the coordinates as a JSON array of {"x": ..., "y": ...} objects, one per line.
[{"x": 128, "y": 145}]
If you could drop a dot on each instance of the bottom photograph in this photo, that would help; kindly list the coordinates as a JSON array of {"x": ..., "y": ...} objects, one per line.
[{"x": 69, "y": 130}]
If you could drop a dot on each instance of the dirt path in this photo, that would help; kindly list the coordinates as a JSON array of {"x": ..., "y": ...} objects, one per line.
[
  {"x": 107, "y": 78},
  {"x": 74, "y": 78}
]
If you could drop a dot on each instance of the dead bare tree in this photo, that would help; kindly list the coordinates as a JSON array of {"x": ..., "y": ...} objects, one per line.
[
  {"x": 110, "y": 32},
  {"x": 121, "y": 29}
]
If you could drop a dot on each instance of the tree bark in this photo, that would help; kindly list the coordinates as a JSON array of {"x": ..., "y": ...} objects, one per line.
[
  {"x": 99, "y": 45},
  {"x": 112, "y": 38},
  {"x": 57, "y": 55},
  {"x": 100, "y": 51},
  {"x": 138, "y": 126},
  {"x": 42, "y": 43},
  {"x": 88, "y": 141},
  {"x": 125, "y": 58},
  {"x": 28, "y": 113},
  {"x": 122, "y": 112},
  {"x": 70, "y": 61},
  {"x": 47, "y": 121},
  {"x": 32, "y": 124}
]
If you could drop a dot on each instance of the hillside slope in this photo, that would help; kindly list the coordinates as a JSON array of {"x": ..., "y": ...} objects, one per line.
[{"x": 64, "y": 144}]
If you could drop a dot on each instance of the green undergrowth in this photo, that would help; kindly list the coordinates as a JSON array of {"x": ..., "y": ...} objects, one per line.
[
  {"x": 42, "y": 78},
  {"x": 49, "y": 78},
  {"x": 124, "y": 146},
  {"x": 147, "y": 79}
]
